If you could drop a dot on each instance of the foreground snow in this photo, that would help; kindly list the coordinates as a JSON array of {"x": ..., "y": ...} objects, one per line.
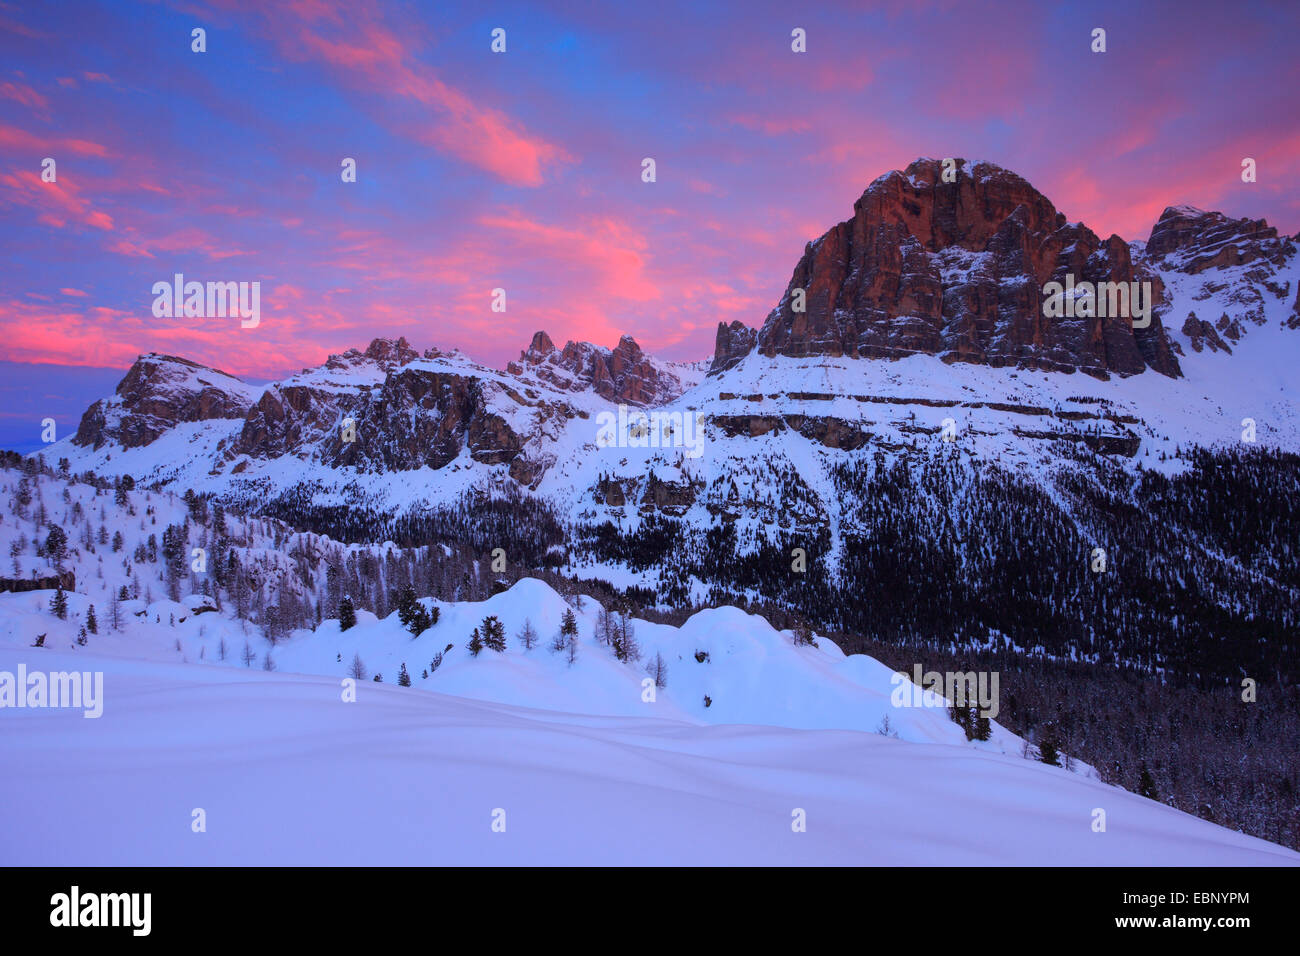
[{"x": 287, "y": 773}]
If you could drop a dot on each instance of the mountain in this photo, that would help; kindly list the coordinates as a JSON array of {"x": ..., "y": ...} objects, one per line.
[
  {"x": 957, "y": 269},
  {"x": 410, "y": 410},
  {"x": 921, "y": 427},
  {"x": 944, "y": 280},
  {"x": 158, "y": 393}
]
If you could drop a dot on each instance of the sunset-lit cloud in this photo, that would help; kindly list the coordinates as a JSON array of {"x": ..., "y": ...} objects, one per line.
[{"x": 522, "y": 170}]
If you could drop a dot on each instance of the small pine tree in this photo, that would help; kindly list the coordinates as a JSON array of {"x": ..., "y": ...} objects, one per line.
[
  {"x": 963, "y": 715},
  {"x": 403, "y": 678},
  {"x": 983, "y": 729},
  {"x": 420, "y": 620},
  {"x": 1146, "y": 785},
  {"x": 569, "y": 625},
  {"x": 1048, "y": 752},
  {"x": 528, "y": 635},
  {"x": 494, "y": 634},
  {"x": 475, "y": 645},
  {"x": 571, "y": 654},
  {"x": 347, "y": 614},
  {"x": 248, "y": 655},
  {"x": 59, "y": 604},
  {"x": 406, "y": 605},
  {"x": 92, "y": 625}
]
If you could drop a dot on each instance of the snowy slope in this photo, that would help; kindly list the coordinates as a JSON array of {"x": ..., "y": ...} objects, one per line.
[
  {"x": 587, "y": 767},
  {"x": 286, "y": 773}
]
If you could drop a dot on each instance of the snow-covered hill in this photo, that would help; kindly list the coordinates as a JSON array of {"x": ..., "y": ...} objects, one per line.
[
  {"x": 284, "y": 772},
  {"x": 752, "y": 748}
]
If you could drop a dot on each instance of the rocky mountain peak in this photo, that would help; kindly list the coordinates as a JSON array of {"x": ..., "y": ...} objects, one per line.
[
  {"x": 157, "y": 393},
  {"x": 386, "y": 353},
  {"x": 1192, "y": 240},
  {"x": 621, "y": 374},
  {"x": 957, "y": 269}
]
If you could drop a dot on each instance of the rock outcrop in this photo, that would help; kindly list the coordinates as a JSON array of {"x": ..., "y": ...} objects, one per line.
[
  {"x": 622, "y": 374},
  {"x": 733, "y": 343},
  {"x": 1239, "y": 267}
]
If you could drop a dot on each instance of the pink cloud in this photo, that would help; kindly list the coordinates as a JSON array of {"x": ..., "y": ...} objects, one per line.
[
  {"x": 11, "y": 137},
  {"x": 24, "y": 94},
  {"x": 771, "y": 126},
  {"x": 381, "y": 62},
  {"x": 57, "y": 203}
]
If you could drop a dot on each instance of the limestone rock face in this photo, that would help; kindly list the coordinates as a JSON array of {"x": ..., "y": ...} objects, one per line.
[{"x": 957, "y": 269}]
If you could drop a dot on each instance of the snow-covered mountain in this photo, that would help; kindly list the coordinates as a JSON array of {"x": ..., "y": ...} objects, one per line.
[
  {"x": 746, "y": 747},
  {"x": 923, "y": 346},
  {"x": 944, "y": 280}
]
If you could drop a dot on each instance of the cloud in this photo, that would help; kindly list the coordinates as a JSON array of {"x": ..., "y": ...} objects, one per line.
[
  {"x": 379, "y": 61},
  {"x": 11, "y": 137},
  {"x": 24, "y": 94},
  {"x": 57, "y": 203}
]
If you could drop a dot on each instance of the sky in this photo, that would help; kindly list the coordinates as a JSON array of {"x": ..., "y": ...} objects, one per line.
[{"x": 522, "y": 170}]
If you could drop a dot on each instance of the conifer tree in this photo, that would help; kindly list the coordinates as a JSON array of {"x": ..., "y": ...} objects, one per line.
[
  {"x": 347, "y": 614},
  {"x": 403, "y": 678},
  {"x": 92, "y": 625},
  {"x": 1146, "y": 785},
  {"x": 494, "y": 634},
  {"x": 59, "y": 604},
  {"x": 1047, "y": 748},
  {"x": 475, "y": 645},
  {"x": 963, "y": 716}
]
